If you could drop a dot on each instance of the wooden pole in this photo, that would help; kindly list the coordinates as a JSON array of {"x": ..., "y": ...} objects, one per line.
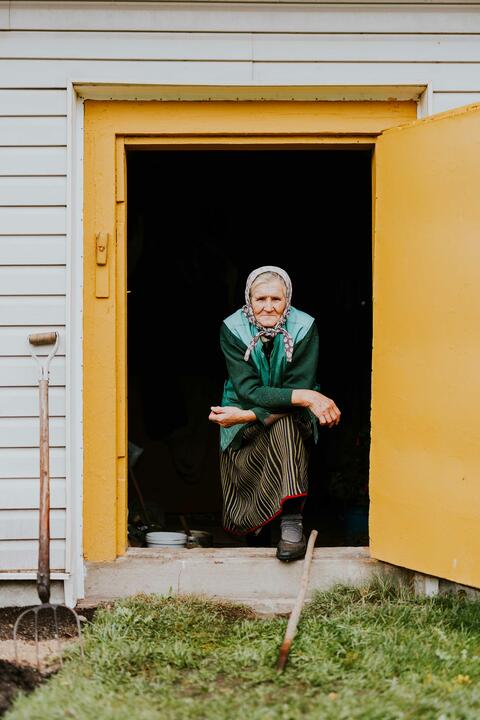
[
  {"x": 43, "y": 574},
  {"x": 297, "y": 608}
]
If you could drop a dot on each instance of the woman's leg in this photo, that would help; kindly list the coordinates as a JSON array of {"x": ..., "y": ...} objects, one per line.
[
  {"x": 260, "y": 539},
  {"x": 291, "y": 522},
  {"x": 271, "y": 465},
  {"x": 292, "y": 543},
  {"x": 293, "y": 505}
]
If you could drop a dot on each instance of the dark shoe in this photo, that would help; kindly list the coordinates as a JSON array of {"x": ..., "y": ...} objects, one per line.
[{"x": 287, "y": 550}]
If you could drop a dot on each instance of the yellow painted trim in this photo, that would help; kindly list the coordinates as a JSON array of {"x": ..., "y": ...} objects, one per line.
[
  {"x": 121, "y": 344},
  {"x": 348, "y": 142},
  {"x": 109, "y": 126},
  {"x": 249, "y": 118}
]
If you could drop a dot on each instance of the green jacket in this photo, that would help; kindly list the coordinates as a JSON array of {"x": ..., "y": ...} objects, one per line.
[{"x": 262, "y": 386}]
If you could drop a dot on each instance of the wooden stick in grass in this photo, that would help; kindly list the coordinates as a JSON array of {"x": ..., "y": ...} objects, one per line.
[{"x": 297, "y": 608}]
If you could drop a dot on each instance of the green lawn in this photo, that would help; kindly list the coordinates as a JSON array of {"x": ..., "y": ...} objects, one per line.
[{"x": 376, "y": 653}]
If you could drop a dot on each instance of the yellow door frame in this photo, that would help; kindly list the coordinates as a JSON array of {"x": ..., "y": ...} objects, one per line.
[{"x": 111, "y": 126}]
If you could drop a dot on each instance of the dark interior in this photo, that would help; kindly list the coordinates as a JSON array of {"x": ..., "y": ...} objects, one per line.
[{"x": 198, "y": 222}]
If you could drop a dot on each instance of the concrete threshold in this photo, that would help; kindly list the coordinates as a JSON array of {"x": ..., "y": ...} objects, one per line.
[{"x": 252, "y": 576}]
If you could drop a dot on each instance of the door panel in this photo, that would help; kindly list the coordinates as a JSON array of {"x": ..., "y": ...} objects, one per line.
[{"x": 425, "y": 451}]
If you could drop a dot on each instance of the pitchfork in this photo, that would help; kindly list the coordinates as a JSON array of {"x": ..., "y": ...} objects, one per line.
[{"x": 43, "y": 574}]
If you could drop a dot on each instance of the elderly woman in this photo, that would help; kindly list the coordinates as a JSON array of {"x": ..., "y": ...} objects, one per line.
[{"x": 270, "y": 410}]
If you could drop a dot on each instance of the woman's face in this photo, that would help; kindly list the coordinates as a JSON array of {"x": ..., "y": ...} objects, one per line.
[{"x": 268, "y": 302}]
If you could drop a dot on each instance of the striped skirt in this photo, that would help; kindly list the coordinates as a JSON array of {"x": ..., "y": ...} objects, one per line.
[{"x": 270, "y": 466}]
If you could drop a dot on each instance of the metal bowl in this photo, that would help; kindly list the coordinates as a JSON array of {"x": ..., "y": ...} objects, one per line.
[{"x": 200, "y": 538}]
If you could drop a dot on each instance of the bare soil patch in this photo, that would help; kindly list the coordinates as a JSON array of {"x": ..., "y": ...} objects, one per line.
[
  {"x": 67, "y": 627},
  {"x": 14, "y": 678}
]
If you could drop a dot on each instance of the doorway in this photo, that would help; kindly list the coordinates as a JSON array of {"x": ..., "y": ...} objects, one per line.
[{"x": 198, "y": 221}]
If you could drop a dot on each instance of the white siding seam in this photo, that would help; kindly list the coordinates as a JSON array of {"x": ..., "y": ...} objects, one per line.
[
  {"x": 337, "y": 33},
  {"x": 36, "y": 234},
  {"x": 166, "y": 31},
  {"x": 30, "y": 575},
  {"x": 230, "y": 60},
  {"x": 33, "y": 265},
  {"x": 35, "y": 205}
]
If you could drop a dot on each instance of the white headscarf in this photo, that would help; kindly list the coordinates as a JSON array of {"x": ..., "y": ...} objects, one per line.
[{"x": 269, "y": 332}]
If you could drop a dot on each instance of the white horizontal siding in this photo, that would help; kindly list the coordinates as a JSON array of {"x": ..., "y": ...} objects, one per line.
[
  {"x": 32, "y": 293},
  {"x": 448, "y": 101},
  {"x": 15, "y": 372},
  {"x": 28, "y": 280},
  {"x": 4, "y": 15},
  {"x": 245, "y": 17},
  {"x": 28, "y": 131},
  {"x": 18, "y": 310},
  {"x": 23, "y": 554},
  {"x": 464, "y": 76},
  {"x": 32, "y": 160},
  {"x": 30, "y": 102},
  {"x": 24, "y": 432},
  {"x": 294, "y": 47},
  {"x": 444, "y": 76},
  {"x": 24, "y": 462},
  {"x": 32, "y": 221},
  {"x": 23, "y": 402},
  {"x": 23, "y": 524},
  {"x": 33, "y": 191},
  {"x": 32, "y": 249},
  {"x": 37, "y": 73},
  {"x": 17, "y": 493},
  {"x": 14, "y": 340}
]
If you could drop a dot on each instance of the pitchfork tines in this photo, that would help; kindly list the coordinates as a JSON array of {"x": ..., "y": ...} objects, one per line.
[{"x": 43, "y": 574}]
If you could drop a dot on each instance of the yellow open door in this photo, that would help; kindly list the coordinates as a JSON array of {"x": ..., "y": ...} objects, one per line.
[{"x": 425, "y": 451}]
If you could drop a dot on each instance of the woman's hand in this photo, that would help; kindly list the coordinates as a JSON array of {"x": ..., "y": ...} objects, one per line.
[
  {"x": 227, "y": 416},
  {"x": 270, "y": 419},
  {"x": 321, "y": 406}
]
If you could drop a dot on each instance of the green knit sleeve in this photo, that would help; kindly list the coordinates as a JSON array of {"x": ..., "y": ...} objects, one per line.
[
  {"x": 245, "y": 378},
  {"x": 300, "y": 373},
  {"x": 261, "y": 413}
]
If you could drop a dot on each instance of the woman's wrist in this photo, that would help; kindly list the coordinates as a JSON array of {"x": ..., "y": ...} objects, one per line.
[
  {"x": 248, "y": 416},
  {"x": 302, "y": 397}
]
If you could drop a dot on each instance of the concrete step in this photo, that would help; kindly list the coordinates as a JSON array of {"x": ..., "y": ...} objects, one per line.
[{"x": 252, "y": 576}]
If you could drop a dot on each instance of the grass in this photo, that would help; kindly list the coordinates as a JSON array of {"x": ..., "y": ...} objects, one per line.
[{"x": 375, "y": 652}]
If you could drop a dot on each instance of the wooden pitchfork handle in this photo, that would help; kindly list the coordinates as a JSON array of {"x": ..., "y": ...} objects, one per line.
[{"x": 43, "y": 574}]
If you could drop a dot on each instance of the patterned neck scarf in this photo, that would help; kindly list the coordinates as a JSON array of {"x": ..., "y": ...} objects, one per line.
[{"x": 268, "y": 333}]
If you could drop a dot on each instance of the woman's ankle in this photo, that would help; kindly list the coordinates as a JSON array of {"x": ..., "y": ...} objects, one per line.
[
  {"x": 260, "y": 539},
  {"x": 293, "y": 506}
]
